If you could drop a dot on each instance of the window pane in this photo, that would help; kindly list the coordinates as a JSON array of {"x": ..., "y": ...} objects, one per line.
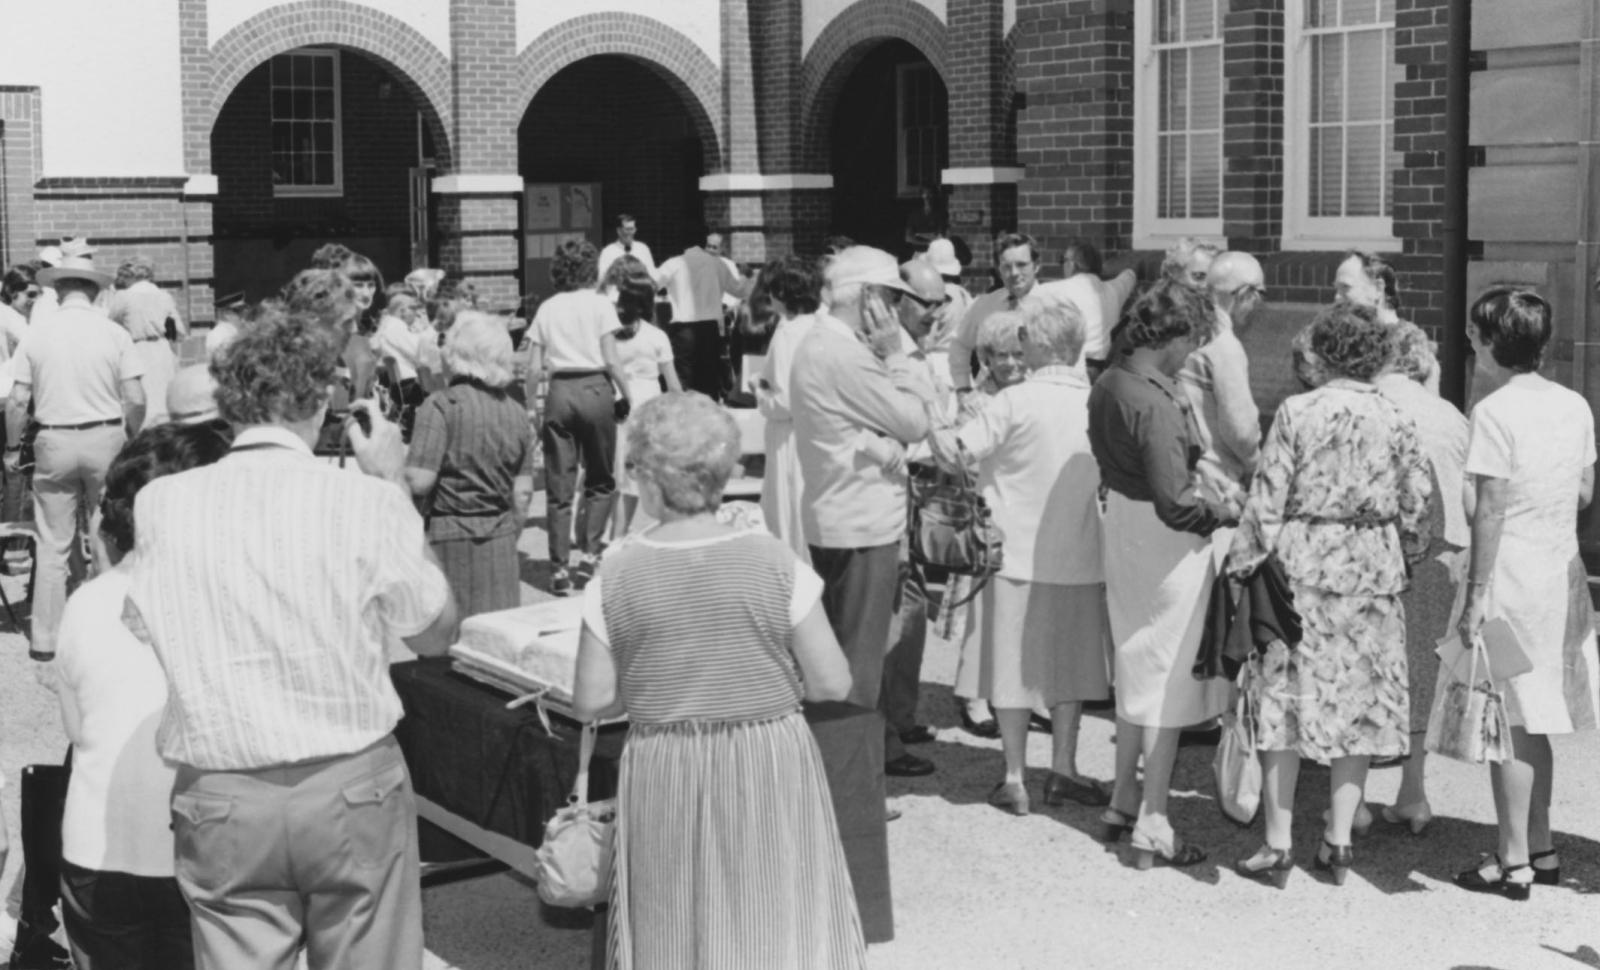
[
  {"x": 302, "y": 71},
  {"x": 1360, "y": 12},
  {"x": 1172, "y": 202},
  {"x": 1168, "y": 15},
  {"x": 1200, "y": 19},
  {"x": 280, "y": 138},
  {"x": 1327, "y": 79},
  {"x": 322, "y": 71},
  {"x": 280, "y": 168},
  {"x": 324, "y": 169},
  {"x": 1365, "y": 162},
  {"x": 322, "y": 137},
  {"x": 1327, "y": 157},
  {"x": 1174, "y": 91},
  {"x": 322, "y": 105},
  {"x": 302, "y": 105},
  {"x": 1205, "y": 176},
  {"x": 282, "y": 105},
  {"x": 1386, "y": 11},
  {"x": 1367, "y": 92},
  {"x": 1205, "y": 88}
]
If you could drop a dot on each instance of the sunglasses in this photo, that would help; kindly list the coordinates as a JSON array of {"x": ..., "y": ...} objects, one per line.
[
  {"x": 926, "y": 304},
  {"x": 1250, "y": 289}
]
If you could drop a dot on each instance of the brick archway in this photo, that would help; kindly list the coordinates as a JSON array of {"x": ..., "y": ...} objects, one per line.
[
  {"x": 841, "y": 46},
  {"x": 674, "y": 58},
  {"x": 420, "y": 67}
]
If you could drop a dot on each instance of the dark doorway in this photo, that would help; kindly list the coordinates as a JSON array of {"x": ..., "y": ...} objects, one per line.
[{"x": 890, "y": 138}]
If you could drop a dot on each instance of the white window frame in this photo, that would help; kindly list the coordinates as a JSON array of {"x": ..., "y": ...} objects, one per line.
[
  {"x": 1150, "y": 231},
  {"x": 1302, "y": 231},
  {"x": 317, "y": 191},
  {"x": 905, "y": 189}
]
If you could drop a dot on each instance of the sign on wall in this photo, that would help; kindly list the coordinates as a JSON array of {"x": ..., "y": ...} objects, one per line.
[{"x": 552, "y": 213}]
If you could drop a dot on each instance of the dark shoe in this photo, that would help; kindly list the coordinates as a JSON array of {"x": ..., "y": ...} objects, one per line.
[
  {"x": 909, "y": 766},
  {"x": 587, "y": 566},
  {"x": 1336, "y": 859},
  {"x": 1148, "y": 848},
  {"x": 1474, "y": 880},
  {"x": 1038, "y": 722},
  {"x": 1010, "y": 797},
  {"x": 560, "y": 582},
  {"x": 1546, "y": 875},
  {"x": 920, "y": 734},
  {"x": 1059, "y": 789},
  {"x": 1267, "y": 865},
  {"x": 37, "y": 951},
  {"x": 987, "y": 728},
  {"x": 1115, "y": 826}
]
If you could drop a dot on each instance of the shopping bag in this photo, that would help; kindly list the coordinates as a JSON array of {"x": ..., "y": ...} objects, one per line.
[
  {"x": 1236, "y": 767},
  {"x": 574, "y": 861},
  {"x": 1468, "y": 721}
]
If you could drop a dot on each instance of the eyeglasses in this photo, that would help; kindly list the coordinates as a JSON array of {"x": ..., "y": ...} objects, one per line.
[
  {"x": 1250, "y": 289},
  {"x": 925, "y": 303}
]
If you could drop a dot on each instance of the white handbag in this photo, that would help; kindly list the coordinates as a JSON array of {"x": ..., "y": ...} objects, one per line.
[
  {"x": 576, "y": 856},
  {"x": 1236, "y": 767}
]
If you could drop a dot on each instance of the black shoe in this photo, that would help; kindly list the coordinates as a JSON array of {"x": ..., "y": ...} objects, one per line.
[
  {"x": 1040, "y": 723},
  {"x": 560, "y": 582},
  {"x": 1473, "y": 880},
  {"x": 1335, "y": 859},
  {"x": 918, "y": 734},
  {"x": 35, "y": 951},
  {"x": 1549, "y": 875},
  {"x": 986, "y": 728},
  {"x": 908, "y": 766}
]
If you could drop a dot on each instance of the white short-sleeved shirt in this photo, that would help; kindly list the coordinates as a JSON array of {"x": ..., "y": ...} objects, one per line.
[
  {"x": 613, "y": 251},
  {"x": 643, "y": 354},
  {"x": 568, "y": 328},
  {"x": 396, "y": 339},
  {"x": 76, "y": 363}
]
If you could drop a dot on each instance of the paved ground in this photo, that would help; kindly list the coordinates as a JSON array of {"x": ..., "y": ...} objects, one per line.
[{"x": 978, "y": 889}]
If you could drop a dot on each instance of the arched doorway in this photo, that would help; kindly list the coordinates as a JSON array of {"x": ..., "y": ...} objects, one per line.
[
  {"x": 889, "y": 139},
  {"x": 634, "y": 129},
  {"x": 316, "y": 145}
]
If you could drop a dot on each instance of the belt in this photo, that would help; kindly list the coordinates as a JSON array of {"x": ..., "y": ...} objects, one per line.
[
  {"x": 145, "y": 340},
  {"x": 108, "y": 422},
  {"x": 567, "y": 375}
]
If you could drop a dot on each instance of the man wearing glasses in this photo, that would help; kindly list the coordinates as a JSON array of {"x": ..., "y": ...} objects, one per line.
[
  {"x": 1017, "y": 259},
  {"x": 1216, "y": 377}
]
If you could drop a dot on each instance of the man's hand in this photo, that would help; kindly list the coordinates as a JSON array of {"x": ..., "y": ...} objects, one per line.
[
  {"x": 381, "y": 453},
  {"x": 12, "y": 460},
  {"x": 880, "y": 326}
]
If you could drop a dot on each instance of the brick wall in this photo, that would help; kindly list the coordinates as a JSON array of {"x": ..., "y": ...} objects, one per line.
[
  {"x": 1252, "y": 118},
  {"x": 19, "y": 167},
  {"x": 1421, "y": 27}
]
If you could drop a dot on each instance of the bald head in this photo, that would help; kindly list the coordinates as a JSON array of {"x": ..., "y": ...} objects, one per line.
[
  {"x": 920, "y": 308},
  {"x": 1237, "y": 284},
  {"x": 192, "y": 395}
]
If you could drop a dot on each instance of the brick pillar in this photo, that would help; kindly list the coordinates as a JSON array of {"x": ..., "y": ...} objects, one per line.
[
  {"x": 1419, "y": 50},
  {"x": 1075, "y": 128},
  {"x": 1252, "y": 125},
  {"x": 981, "y": 183},
  {"x": 196, "y": 262},
  {"x": 479, "y": 202},
  {"x": 768, "y": 208},
  {"x": 19, "y": 156}
]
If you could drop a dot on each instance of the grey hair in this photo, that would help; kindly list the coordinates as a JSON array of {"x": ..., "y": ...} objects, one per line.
[
  {"x": 479, "y": 346},
  {"x": 1415, "y": 353},
  {"x": 686, "y": 445},
  {"x": 999, "y": 331},
  {"x": 1177, "y": 256},
  {"x": 1058, "y": 326}
]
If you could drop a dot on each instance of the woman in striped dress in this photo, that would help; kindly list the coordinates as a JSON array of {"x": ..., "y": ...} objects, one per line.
[{"x": 707, "y": 637}]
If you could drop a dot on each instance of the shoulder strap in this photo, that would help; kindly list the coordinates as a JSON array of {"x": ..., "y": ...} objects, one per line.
[{"x": 580, "y": 786}]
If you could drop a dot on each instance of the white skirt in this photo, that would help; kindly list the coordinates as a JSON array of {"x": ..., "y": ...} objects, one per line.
[{"x": 1157, "y": 584}]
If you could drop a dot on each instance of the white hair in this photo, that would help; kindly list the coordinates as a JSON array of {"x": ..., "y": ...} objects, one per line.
[{"x": 478, "y": 345}]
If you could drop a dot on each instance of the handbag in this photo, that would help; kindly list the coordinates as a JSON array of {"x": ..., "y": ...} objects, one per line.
[
  {"x": 950, "y": 526},
  {"x": 1236, "y": 767},
  {"x": 1468, "y": 721},
  {"x": 574, "y": 860}
]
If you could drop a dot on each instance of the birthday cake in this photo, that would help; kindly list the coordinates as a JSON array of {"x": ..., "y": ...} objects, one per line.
[{"x": 531, "y": 647}]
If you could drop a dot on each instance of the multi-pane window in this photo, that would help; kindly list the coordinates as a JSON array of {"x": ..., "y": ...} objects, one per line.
[
  {"x": 305, "y": 122},
  {"x": 921, "y": 120},
  {"x": 1178, "y": 115}
]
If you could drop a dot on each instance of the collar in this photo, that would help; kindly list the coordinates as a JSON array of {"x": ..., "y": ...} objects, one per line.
[
  {"x": 271, "y": 436},
  {"x": 1060, "y": 374},
  {"x": 1144, "y": 370},
  {"x": 1350, "y": 384}
]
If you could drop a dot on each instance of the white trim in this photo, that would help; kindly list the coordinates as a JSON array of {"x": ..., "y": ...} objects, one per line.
[
  {"x": 477, "y": 184},
  {"x": 336, "y": 188},
  {"x": 991, "y": 175},
  {"x": 1302, "y": 232},
  {"x": 1149, "y": 231},
  {"x": 201, "y": 185},
  {"x": 756, "y": 182}
]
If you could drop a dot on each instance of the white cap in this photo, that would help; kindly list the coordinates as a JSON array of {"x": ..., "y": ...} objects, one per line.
[{"x": 865, "y": 266}]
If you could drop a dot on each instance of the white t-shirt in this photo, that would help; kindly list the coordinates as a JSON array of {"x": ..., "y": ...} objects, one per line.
[
  {"x": 117, "y": 814},
  {"x": 613, "y": 252},
  {"x": 643, "y": 354},
  {"x": 568, "y": 328},
  {"x": 396, "y": 339}
]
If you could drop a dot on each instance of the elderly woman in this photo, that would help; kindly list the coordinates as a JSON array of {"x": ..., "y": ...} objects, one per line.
[
  {"x": 1187, "y": 262},
  {"x": 121, "y": 904},
  {"x": 1159, "y": 563},
  {"x": 793, "y": 288},
  {"x": 1045, "y": 639},
  {"x": 1340, "y": 498},
  {"x": 1430, "y": 599},
  {"x": 471, "y": 461},
  {"x": 151, "y": 318},
  {"x": 708, "y": 638},
  {"x": 1531, "y": 462},
  {"x": 573, "y": 342}
]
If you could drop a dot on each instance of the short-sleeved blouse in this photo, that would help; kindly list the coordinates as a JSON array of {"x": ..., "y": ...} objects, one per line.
[{"x": 478, "y": 441}]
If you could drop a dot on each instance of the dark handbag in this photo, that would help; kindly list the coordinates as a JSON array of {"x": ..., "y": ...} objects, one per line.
[
  {"x": 950, "y": 526},
  {"x": 44, "y": 803}
]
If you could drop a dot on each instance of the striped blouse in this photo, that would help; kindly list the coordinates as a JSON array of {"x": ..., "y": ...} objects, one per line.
[{"x": 702, "y": 630}]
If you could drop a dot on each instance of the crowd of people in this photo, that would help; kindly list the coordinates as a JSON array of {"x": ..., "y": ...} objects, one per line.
[{"x": 237, "y": 796}]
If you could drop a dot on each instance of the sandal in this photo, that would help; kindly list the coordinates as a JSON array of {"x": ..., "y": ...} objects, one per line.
[
  {"x": 1115, "y": 824},
  {"x": 1148, "y": 848},
  {"x": 1477, "y": 880},
  {"x": 1268, "y": 865},
  {"x": 1546, "y": 875}
]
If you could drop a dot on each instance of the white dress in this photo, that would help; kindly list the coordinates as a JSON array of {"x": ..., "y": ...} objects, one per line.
[
  {"x": 1539, "y": 437},
  {"x": 781, "y": 487},
  {"x": 642, "y": 357}
]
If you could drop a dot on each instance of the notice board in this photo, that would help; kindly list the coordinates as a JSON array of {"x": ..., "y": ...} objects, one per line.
[{"x": 552, "y": 213}]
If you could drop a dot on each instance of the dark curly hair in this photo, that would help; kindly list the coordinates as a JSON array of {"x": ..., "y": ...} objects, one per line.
[
  {"x": 793, "y": 281},
  {"x": 1380, "y": 273},
  {"x": 636, "y": 291},
  {"x": 165, "y": 449},
  {"x": 1515, "y": 323},
  {"x": 17, "y": 280},
  {"x": 1169, "y": 311},
  {"x": 573, "y": 266},
  {"x": 278, "y": 369},
  {"x": 324, "y": 295},
  {"x": 1350, "y": 341},
  {"x": 331, "y": 256}
]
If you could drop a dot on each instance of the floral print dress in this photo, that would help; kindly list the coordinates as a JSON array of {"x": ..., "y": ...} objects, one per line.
[{"x": 1341, "y": 497}]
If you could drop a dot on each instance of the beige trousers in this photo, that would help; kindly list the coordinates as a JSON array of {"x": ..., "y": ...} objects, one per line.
[
  {"x": 322, "y": 854},
  {"x": 69, "y": 473}
]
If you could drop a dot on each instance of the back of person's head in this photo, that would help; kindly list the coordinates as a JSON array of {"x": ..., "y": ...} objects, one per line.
[
  {"x": 1381, "y": 274},
  {"x": 165, "y": 449},
  {"x": 450, "y": 297},
  {"x": 1175, "y": 262},
  {"x": 687, "y": 446},
  {"x": 403, "y": 305},
  {"x": 1351, "y": 340},
  {"x": 1515, "y": 323},
  {"x": 1081, "y": 256},
  {"x": 478, "y": 346},
  {"x": 1415, "y": 353},
  {"x": 636, "y": 291},
  {"x": 793, "y": 281},
  {"x": 1000, "y": 333},
  {"x": 17, "y": 280},
  {"x": 573, "y": 266},
  {"x": 837, "y": 243},
  {"x": 1055, "y": 328},
  {"x": 132, "y": 270},
  {"x": 324, "y": 295},
  {"x": 278, "y": 370},
  {"x": 331, "y": 256},
  {"x": 1170, "y": 311}
]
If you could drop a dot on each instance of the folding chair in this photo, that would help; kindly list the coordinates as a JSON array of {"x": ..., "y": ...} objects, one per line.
[{"x": 29, "y": 536}]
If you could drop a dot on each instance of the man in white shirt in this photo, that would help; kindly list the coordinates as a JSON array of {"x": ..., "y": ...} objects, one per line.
[
  {"x": 1080, "y": 259},
  {"x": 271, "y": 613},
  {"x": 696, "y": 283},
  {"x": 625, "y": 245},
  {"x": 1216, "y": 377}
]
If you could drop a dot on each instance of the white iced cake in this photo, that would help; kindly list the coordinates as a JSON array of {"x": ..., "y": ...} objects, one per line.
[{"x": 538, "y": 641}]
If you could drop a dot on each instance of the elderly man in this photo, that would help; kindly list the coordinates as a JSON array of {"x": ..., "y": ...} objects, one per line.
[
  {"x": 80, "y": 373},
  {"x": 856, "y": 396},
  {"x": 696, "y": 282},
  {"x": 270, "y": 613},
  {"x": 1216, "y": 377}
]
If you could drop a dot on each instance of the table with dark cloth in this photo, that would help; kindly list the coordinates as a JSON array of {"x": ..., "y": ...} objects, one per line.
[{"x": 500, "y": 770}]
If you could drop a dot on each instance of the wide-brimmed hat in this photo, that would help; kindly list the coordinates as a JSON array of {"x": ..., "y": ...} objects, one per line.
[
  {"x": 942, "y": 254},
  {"x": 77, "y": 262},
  {"x": 865, "y": 266}
]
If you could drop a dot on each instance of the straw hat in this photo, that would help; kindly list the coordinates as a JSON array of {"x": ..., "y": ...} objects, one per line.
[
  {"x": 77, "y": 262},
  {"x": 942, "y": 254}
]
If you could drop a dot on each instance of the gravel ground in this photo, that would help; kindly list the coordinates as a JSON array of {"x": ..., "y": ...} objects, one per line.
[{"x": 975, "y": 888}]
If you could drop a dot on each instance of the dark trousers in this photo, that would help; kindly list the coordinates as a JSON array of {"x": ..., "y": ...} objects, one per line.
[
  {"x": 580, "y": 428},
  {"x": 117, "y": 921},
  {"x": 902, "y": 668},
  {"x": 859, "y": 588},
  {"x": 697, "y": 355}
]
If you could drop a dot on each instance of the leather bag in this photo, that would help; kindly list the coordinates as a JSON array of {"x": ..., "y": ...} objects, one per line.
[
  {"x": 579, "y": 842},
  {"x": 1469, "y": 721},
  {"x": 951, "y": 527}
]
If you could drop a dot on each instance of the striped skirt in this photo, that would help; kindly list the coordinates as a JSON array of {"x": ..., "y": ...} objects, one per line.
[
  {"x": 483, "y": 573},
  {"x": 727, "y": 852}
]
